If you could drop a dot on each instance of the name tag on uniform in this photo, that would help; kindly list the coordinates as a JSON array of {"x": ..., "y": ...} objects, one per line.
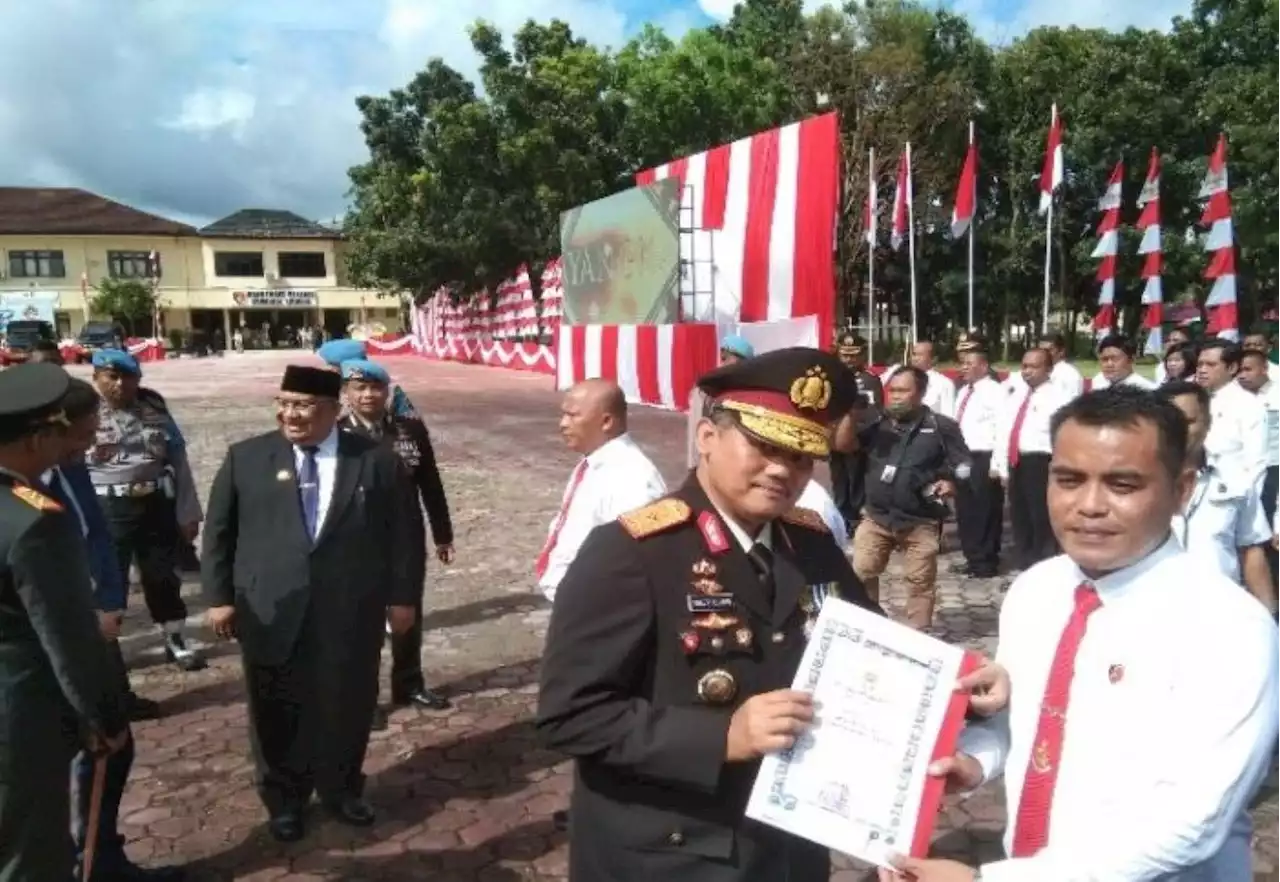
[{"x": 705, "y": 603}]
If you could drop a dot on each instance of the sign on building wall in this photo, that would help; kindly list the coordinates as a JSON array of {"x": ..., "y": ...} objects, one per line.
[
  {"x": 274, "y": 297},
  {"x": 27, "y": 306}
]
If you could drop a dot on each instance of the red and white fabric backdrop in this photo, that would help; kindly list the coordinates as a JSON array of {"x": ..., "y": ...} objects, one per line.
[{"x": 654, "y": 364}]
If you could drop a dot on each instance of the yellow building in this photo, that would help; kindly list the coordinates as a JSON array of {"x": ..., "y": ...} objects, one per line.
[{"x": 250, "y": 268}]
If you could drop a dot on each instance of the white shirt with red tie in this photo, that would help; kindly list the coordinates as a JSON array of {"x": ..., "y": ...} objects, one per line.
[
  {"x": 1024, "y": 421},
  {"x": 978, "y": 409},
  {"x": 614, "y": 479},
  {"x": 1170, "y": 722}
]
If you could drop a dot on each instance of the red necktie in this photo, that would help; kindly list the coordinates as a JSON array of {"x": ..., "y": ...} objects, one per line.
[
  {"x": 544, "y": 556},
  {"x": 964, "y": 402},
  {"x": 1031, "y": 829},
  {"x": 1016, "y": 435}
]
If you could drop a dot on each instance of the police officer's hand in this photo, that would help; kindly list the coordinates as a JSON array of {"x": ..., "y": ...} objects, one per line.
[
  {"x": 401, "y": 618},
  {"x": 109, "y": 623},
  {"x": 962, "y": 772},
  {"x": 189, "y": 531},
  {"x": 222, "y": 619},
  {"x": 944, "y": 489},
  {"x": 768, "y": 723},
  {"x": 445, "y": 553},
  {"x": 987, "y": 687}
]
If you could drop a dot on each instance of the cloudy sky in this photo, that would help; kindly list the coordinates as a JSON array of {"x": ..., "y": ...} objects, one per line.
[{"x": 196, "y": 108}]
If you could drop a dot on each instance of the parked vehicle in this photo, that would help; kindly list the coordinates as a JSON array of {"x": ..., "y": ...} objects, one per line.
[
  {"x": 22, "y": 336},
  {"x": 97, "y": 335}
]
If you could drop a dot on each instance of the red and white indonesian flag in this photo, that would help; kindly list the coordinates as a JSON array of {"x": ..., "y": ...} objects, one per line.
[
  {"x": 769, "y": 202},
  {"x": 1221, "y": 303},
  {"x": 1104, "y": 321},
  {"x": 1052, "y": 172},
  {"x": 869, "y": 207},
  {"x": 901, "y": 201},
  {"x": 966, "y": 193},
  {"x": 1153, "y": 256}
]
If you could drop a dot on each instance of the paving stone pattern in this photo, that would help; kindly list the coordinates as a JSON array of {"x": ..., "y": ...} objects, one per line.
[{"x": 464, "y": 795}]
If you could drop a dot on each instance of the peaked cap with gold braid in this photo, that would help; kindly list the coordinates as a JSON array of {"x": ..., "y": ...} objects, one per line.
[{"x": 785, "y": 398}]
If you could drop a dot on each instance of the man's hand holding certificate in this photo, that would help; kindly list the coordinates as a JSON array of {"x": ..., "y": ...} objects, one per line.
[{"x": 887, "y": 704}]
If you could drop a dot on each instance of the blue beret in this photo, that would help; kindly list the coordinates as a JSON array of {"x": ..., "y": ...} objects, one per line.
[
  {"x": 335, "y": 352},
  {"x": 116, "y": 359},
  {"x": 361, "y": 369},
  {"x": 738, "y": 346}
]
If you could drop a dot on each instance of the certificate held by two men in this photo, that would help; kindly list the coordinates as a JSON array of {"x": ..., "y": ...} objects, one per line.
[{"x": 886, "y": 707}]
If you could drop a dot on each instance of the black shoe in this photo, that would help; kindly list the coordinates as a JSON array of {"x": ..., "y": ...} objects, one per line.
[
  {"x": 380, "y": 721},
  {"x": 983, "y": 573},
  {"x": 560, "y": 820},
  {"x": 424, "y": 698},
  {"x": 139, "y": 708},
  {"x": 186, "y": 658},
  {"x": 960, "y": 568},
  {"x": 351, "y": 810},
  {"x": 286, "y": 827}
]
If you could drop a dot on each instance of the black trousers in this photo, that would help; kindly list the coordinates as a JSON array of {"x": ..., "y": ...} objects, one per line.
[
  {"x": 110, "y": 856},
  {"x": 309, "y": 722},
  {"x": 1033, "y": 539},
  {"x": 1270, "y": 481},
  {"x": 406, "y": 659},
  {"x": 849, "y": 487},
  {"x": 144, "y": 528},
  {"x": 35, "y": 818},
  {"x": 980, "y": 515}
]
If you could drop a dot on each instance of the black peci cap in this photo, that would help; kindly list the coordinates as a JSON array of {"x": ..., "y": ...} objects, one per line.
[
  {"x": 315, "y": 381},
  {"x": 31, "y": 398},
  {"x": 786, "y": 397}
]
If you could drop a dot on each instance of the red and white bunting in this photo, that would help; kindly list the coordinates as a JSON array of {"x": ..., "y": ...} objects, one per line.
[
  {"x": 1224, "y": 317},
  {"x": 1153, "y": 257},
  {"x": 551, "y": 305},
  {"x": 1051, "y": 174},
  {"x": 1104, "y": 321},
  {"x": 966, "y": 193},
  {"x": 901, "y": 203},
  {"x": 516, "y": 313}
]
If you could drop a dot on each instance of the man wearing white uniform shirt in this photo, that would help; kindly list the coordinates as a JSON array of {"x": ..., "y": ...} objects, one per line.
[
  {"x": 1223, "y": 521},
  {"x": 940, "y": 396},
  {"x": 1020, "y": 459},
  {"x": 613, "y": 477},
  {"x": 1253, "y": 376},
  {"x": 816, "y": 498},
  {"x": 1064, "y": 374},
  {"x": 1144, "y": 684},
  {"x": 1238, "y": 435},
  {"x": 1115, "y": 357},
  {"x": 979, "y": 497}
]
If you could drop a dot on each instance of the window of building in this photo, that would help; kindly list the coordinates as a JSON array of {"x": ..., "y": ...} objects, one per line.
[
  {"x": 131, "y": 264},
  {"x": 37, "y": 265},
  {"x": 238, "y": 263},
  {"x": 302, "y": 265}
]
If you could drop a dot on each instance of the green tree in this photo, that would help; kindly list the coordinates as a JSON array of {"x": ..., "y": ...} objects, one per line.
[{"x": 124, "y": 300}]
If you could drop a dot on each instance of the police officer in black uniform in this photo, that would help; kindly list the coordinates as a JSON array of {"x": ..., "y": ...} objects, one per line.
[
  {"x": 849, "y": 470},
  {"x": 678, "y": 630},
  {"x": 367, "y": 388},
  {"x": 57, "y": 690}
]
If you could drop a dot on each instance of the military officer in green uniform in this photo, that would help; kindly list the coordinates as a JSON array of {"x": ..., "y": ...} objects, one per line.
[
  {"x": 57, "y": 692},
  {"x": 678, "y": 629}
]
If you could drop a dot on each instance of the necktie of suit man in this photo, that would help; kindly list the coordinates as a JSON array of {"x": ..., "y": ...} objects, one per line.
[{"x": 309, "y": 490}]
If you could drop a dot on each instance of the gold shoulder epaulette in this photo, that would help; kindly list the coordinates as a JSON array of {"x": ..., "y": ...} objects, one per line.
[
  {"x": 655, "y": 517},
  {"x": 35, "y": 498},
  {"x": 808, "y": 518}
]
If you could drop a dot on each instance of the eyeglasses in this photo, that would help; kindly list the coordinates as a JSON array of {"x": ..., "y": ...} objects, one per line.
[{"x": 289, "y": 404}]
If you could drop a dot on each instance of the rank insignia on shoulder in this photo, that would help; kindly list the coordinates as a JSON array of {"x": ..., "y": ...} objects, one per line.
[
  {"x": 35, "y": 498},
  {"x": 807, "y": 518},
  {"x": 655, "y": 517}
]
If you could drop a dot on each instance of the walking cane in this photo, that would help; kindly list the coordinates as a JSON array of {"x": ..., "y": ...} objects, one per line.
[{"x": 95, "y": 816}]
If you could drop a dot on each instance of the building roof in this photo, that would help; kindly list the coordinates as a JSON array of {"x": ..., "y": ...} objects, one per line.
[
  {"x": 265, "y": 223},
  {"x": 67, "y": 211}
]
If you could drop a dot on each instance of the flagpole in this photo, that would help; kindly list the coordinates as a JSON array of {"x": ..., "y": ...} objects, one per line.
[
  {"x": 871, "y": 251},
  {"x": 911, "y": 249},
  {"x": 972, "y": 221},
  {"x": 1048, "y": 256}
]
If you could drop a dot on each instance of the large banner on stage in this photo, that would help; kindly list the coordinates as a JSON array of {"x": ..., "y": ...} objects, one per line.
[
  {"x": 16, "y": 306},
  {"x": 621, "y": 258}
]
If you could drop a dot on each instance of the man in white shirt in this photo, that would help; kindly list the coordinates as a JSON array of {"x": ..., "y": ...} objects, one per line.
[
  {"x": 979, "y": 497},
  {"x": 1254, "y": 377},
  {"x": 1144, "y": 684},
  {"x": 1020, "y": 459},
  {"x": 613, "y": 477},
  {"x": 1238, "y": 437},
  {"x": 1064, "y": 374},
  {"x": 1223, "y": 521},
  {"x": 1260, "y": 342},
  {"x": 1115, "y": 357},
  {"x": 816, "y": 498},
  {"x": 940, "y": 396}
]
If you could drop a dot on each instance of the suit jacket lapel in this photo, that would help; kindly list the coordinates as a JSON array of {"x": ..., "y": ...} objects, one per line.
[
  {"x": 788, "y": 581},
  {"x": 344, "y": 483},
  {"x": 284, "y": 476}
]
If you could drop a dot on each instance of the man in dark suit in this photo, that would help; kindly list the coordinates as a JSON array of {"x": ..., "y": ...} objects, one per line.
[
  {"x": 368, "y": 392},
  {"x": 849, "y": 470},
  {"x": 678, "y": 629},
  {"x": 57, "y": 691},
  {"x": 304, "y": 561}
]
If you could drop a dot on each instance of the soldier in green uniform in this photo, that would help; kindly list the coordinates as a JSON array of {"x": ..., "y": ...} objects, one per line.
[
  {"x": 57, "y": 693},
  {"x": 678, "y": 630}
]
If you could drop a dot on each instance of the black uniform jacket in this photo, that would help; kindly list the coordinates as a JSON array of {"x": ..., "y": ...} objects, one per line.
[
  {"x": 257, "y": 554},
  {"x": 654, "y": 797},
  {"x": 55, "y": 680}
]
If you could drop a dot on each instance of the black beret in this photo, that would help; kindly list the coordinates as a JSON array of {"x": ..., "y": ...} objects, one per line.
[{"x": 315, "y": 381}]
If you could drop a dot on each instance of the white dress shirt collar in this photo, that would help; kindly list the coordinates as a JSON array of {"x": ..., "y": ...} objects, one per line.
[
  {"x": 327, "y": 447},
  {"x": 764, "y": 537},
  {"x": 1117, "y": 584}
]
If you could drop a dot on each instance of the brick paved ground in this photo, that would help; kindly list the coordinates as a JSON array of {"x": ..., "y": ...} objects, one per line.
[{"x": 466, "y": 794}]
